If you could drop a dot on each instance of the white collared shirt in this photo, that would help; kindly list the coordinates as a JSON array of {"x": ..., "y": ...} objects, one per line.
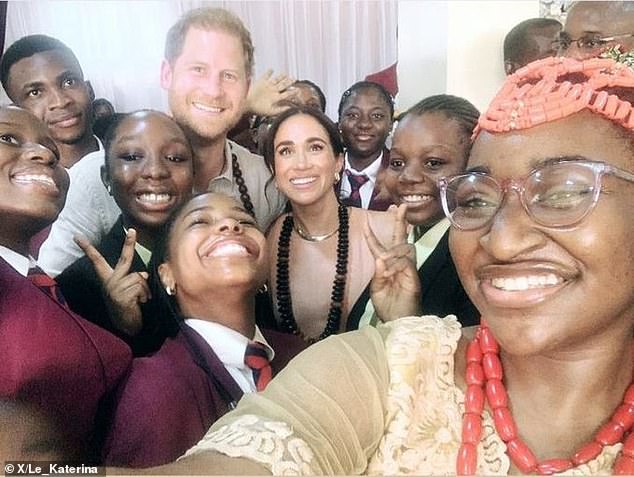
[
  {"x": 20, "y": 263},
  {"x": 230, "y": 346},
  {"x": 366, "y": 189},
  {"x": 90, "y": 212}
]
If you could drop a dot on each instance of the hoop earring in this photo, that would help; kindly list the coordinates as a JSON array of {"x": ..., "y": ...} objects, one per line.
[
  {"x": 337, "y": 177},
  {"x": 170, "y": 291},
  {"x": 109, "y": 189}
]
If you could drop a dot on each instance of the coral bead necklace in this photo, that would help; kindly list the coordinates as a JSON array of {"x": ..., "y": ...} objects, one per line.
[{"x": 483, "y": 377}]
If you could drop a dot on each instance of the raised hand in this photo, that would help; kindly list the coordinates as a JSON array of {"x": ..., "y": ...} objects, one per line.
[
  {"x": 266, "y": 93},
  {"x": 395, "y": 287},
  {"x": 123, "y": 291}
]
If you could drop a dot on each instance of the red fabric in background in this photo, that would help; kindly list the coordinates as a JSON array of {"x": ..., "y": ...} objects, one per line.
[{"x": 386, "y": 78}]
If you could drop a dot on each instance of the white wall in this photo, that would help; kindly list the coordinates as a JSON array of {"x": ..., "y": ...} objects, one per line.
[
  {"x": 444, "y": 46},
  {"x": 422, "y": 50},
  {"x": 476, "y": 32},
  {"x": 469, "y": 33}
]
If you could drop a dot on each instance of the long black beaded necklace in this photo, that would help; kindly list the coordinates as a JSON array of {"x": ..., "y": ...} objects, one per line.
[
  {"x": 242, "y": 187},
  {"x": 283, "y": 293}
]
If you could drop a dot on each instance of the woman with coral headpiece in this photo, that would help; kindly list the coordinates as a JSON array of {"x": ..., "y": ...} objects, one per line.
[{"x": 542, "y": 230}]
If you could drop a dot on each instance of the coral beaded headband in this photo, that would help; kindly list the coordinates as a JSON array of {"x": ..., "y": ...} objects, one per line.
[{"x": 554, "y": 88}]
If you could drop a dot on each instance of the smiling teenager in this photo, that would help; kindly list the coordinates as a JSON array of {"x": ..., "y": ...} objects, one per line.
[
  {"x": 43, "y": 75},
  {"x": 149, "y": 173},
  {"x": 432, "y": 140},
  {"x": 55, "y": 365},
  {"x": 206, "y": 271},
  {"x": 542, "y": 240},
  {"x": 366, "y": 111}
]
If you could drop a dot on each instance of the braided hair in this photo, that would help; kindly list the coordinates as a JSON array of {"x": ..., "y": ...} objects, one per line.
[{"x": 453, "y": 107}]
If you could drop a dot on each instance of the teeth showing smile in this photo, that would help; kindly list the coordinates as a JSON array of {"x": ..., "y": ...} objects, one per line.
[
  {"x": 206, "y": 108},
  {"x": 303, "y": 180},
  {"x": 416, "y": 198},
  {"x": 526, "y": 283},
  {"x": 31, "y": 178},
  {"x": 155, "y": 198},
  {"x": 229, "y": 250}
]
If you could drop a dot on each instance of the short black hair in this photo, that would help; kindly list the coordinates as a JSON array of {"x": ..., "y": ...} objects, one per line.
[
  {"x": 517, "y": 41},
  {"x": 366, "y": 85},
  {"x": 101, "y": 126},
  {"x": 320, "y": 93},
  {"x": 28, "y": 46}
]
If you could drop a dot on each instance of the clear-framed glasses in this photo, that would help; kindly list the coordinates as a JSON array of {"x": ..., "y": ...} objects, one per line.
[
  {"x": 588, "y": 43},
  {"x": 556, "y": 194}
]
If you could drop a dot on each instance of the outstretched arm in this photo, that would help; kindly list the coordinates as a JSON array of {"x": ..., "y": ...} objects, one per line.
[{"x": 324, "y": 414}]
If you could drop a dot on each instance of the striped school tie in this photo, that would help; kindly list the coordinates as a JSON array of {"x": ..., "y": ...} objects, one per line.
[
  {"x": 47, "y": 284},
  {"x": 255, "y": 357},
  {"x": 356, "y": 181}
]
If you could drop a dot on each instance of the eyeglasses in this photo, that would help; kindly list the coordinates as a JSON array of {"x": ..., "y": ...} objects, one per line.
[
  {"x": 587, "y": 43},
  {"x": 556, "y": 194}
]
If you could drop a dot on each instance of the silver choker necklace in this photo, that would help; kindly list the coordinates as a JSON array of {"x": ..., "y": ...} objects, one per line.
[{"x": 313, "y": 238}]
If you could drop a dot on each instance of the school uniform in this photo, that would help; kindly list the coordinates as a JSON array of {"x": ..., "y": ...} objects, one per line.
[
  {"x": 53, "y": 359},
  {"x": 83, "y": 291},
  {"x": 442, "y": 292},
  {"x": 170, "y": 399},
  {"x": 371, "y": 195}
]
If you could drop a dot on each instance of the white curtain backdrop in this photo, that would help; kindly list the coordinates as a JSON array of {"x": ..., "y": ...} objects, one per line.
[{"x": 120, "y": 43}]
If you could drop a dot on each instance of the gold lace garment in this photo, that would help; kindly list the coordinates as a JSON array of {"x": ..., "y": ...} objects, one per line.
[{"x": 379, "y": 401}]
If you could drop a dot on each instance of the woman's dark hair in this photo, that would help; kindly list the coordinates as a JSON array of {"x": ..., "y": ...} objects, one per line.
[
  {"x": 453, "y": 107},
  {"x": 361, "y": 85},
  {"x": 331, "y": 129}
]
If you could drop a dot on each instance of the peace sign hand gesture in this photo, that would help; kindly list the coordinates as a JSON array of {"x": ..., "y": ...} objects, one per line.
[
  {"x": 395, "y": 287},
  {"x": 123, "y": 291}
]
